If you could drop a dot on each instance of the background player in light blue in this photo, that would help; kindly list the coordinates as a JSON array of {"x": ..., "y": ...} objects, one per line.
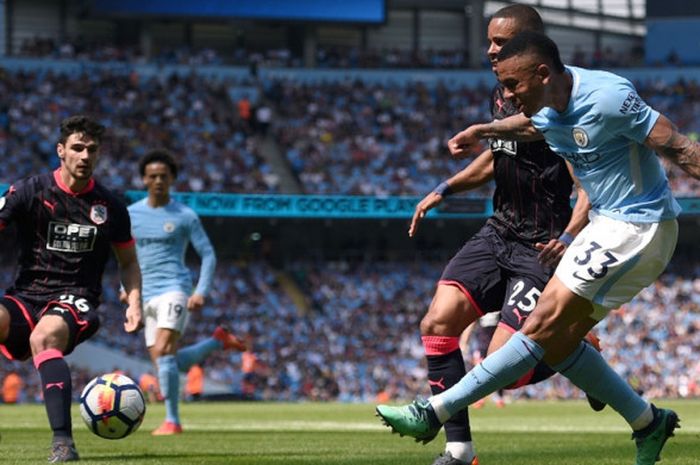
[
  {"x": 595, "y": 120},
  {"x": 163, "y": 229}
]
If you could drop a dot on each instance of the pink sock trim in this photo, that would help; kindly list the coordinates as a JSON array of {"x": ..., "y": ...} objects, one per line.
[
  {"x": 48, "y": 354},
  {"x": 525, "y": 379},
  {"x": 507, "y": 327},
  {"x": 440, "y": 345}
]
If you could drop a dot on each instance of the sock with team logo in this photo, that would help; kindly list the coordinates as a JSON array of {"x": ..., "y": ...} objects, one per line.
[
  {"x": 195, "y": 353},
  {"x": 588, "y": 370},
  {"x": 169, "y": 379},
  {"x": 503, "y": 367},
  {"x": 57, "y": 389},
  {"x": 445, "y": 369}
]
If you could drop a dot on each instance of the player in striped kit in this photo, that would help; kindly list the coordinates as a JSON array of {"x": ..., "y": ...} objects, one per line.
[{"x": 67, "y": 226}]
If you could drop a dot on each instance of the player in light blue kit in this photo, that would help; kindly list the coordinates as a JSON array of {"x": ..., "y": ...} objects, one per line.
[
  {"x": 596, "y": 121},
  {"x": 163, "y": 229}
]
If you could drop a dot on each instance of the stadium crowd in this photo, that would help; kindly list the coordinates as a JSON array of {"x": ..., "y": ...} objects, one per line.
[
  {"x": 347, "y": 137},
  {"x": 357, "y": 338},
  {"x": 190, "y": 116},
  {"x": 326, "y": 56}
]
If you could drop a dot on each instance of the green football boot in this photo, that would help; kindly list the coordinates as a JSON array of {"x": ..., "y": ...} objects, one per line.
[
  {"x": 650, "y": 443},
  {"x": 416, "y": 419}
]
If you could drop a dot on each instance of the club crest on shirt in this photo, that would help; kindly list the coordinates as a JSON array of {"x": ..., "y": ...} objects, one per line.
[
  {"x": 98, "y": 213},
  {"x": 168, "y": 227},
  {"x": 580, "y": 137}
]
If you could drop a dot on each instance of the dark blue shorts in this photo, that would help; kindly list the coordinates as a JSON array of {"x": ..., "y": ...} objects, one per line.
[
  {"x": 498, "y": 274},
  {"x": 26, "y": 311}
]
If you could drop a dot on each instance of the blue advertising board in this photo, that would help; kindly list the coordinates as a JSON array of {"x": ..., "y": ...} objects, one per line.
[{"x": 337, "y": 206}]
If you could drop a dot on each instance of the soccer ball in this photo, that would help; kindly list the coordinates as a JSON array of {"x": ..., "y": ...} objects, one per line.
[{"x": 112, "y": 406}]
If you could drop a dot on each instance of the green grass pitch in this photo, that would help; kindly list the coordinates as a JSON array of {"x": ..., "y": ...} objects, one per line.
[{"x": 523, "y": 433}]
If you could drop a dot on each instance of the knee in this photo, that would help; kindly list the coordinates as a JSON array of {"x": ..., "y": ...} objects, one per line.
[
  {"x": 438, "y": 321},
  {"x": 158, "y": 350},
  {"x": 540, "y": 324},
  {"x": 4, "y": 324},
  {"x": 164, "y": 347},
  {"x": 428, "y": 325},
  {"x": 446, "y": 319},
  {"x": 42, "y": 339}
]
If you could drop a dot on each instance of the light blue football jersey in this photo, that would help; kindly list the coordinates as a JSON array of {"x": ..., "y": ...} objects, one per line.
[
  {"x": 602, "y": 133},
  {"x": 162, "y": 235}
]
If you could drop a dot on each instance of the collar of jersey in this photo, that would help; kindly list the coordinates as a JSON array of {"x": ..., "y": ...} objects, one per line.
[{"x": 61, "y": 185}]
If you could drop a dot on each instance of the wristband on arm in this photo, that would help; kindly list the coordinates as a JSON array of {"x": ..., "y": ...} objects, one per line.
[
  {"x": 566, "y": 238},
  {"x": 443, "y": 189}
]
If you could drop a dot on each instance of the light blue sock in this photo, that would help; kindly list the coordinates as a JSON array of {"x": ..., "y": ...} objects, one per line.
[
  {"x": 169, "y": 379},
  {"x": 519, "y": 355},
  {"x": 195, "y": 353},
  {"x": 588, "y": 370}
]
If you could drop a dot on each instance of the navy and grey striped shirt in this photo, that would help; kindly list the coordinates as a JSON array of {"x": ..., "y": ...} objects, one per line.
[{"x": 533, "y": 186}]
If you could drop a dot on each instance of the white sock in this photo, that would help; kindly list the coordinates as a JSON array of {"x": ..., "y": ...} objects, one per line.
[
  {"x": 463, "y": 451},
  {"x": 440, "y": 409},
  {"x": 643, "y": 420}
]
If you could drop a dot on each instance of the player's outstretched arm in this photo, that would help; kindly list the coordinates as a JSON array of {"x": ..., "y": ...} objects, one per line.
[
  {"x": 552, "y": 251},
  {"x": 665, "y": 140},
  {"x": 130, "y": 275},
  {"x": 517, "y": 127},
  {"x": 477, "y": 173}
]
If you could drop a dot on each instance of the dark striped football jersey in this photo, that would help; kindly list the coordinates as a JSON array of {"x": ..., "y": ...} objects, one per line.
[
  {"x": 533, "y": 186},
  {"x": 64, "y": 237}
]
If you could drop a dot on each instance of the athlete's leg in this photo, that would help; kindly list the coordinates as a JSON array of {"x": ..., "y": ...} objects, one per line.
[
  {"x": 221, "y": 339},
  {"x": 48, "y": 343},
  {"x": 165, "y": 319},
  {"x": 559, "y": 326},
  {"x": 540, "y": 372},
  {"x": 522, "y": 294},
  {"x": 63, "y": 323},
  {"x": 470, "y": 283},
  {"x": 163, "y": 353},
  {"x": 631, "y": 256},
  {"x": 449, "y": 314}
]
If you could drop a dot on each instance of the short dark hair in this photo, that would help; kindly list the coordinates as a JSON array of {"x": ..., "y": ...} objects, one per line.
[
  {"x": 83, "y": 125},
  {"x": 527, "y": 17},
  {"x": 159, "y": 156},
  {"x": 533, "y": 42}
]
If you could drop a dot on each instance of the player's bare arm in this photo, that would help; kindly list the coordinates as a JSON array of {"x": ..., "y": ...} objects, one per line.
[
  {"x": 130, "y": 275},
  {"x": 477, "y": 173},
  {"x": 517, "y": 127},
  {"x": 551, "y": 252},
  {"x": 665, "y": 139}
]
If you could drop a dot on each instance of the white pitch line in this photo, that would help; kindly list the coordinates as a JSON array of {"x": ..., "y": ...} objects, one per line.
[
  {"x": 371, "y": 427},
  {"x": 330, "y": 426}
]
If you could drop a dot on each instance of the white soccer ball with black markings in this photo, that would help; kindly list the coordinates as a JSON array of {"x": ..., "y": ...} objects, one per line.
[{"x": 112, "y": 406}]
